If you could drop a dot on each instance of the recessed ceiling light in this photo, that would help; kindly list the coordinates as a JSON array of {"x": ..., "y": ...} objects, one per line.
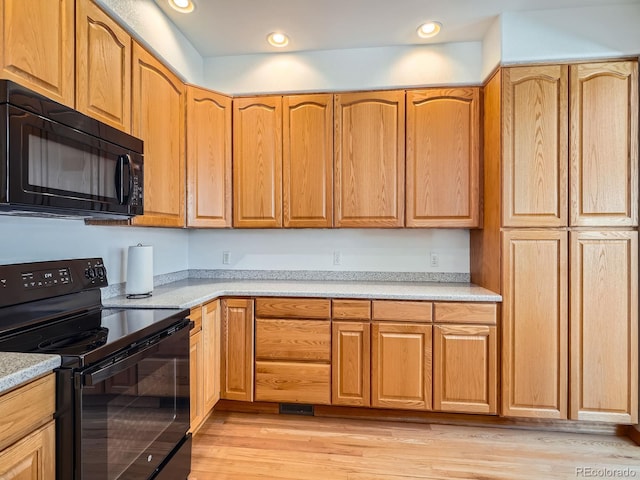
[
  {"x": 183, "y": 6},
  {"x": 278, "y": 39},
  {"x": 429, "y": 29}
]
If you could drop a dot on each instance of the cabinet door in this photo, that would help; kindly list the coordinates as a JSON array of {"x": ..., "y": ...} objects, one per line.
[
  {"x": 38, "y": 46},
  {"x": 604, "y": 326},
  {"x": 604, "y": 144},
  {"x": 257, "y": 162},
  {"x": 443, "y": 158},
  {"x": 211, "y": 331},
  {"x": 32, "y": 458},
  {"x": 196, "y": 380},
  {"x": 351, "y": 364},
  {"x": 103, "y": 67},
  {"x": 535, "y": 323},
  {"x": 465, "y": 363},
  {"x": 369, "y": 159},
  {"x": 535, "y": 146},
  {"x": 158, "y": 119},
  {"x": 208, "y": 158},
  {"x": 237, "y": 349},
  {"x": 401, "y": 366},
  {"x": 307, "y": 167}
]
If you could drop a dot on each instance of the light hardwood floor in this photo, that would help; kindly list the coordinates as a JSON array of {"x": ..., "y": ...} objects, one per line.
[{"x": 247, "y": 446}]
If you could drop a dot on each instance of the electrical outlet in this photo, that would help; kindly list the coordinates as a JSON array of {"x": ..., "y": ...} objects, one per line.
[
  {"x": 434, "y": 259},
  {"x": 226, "y": 258},
  {"x": 337, "y": 258}
]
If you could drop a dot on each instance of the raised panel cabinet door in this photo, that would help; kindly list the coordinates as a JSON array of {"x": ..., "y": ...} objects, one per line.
[
  {"x": 158, "y": 119},
  {"x": 103, "y": 67},
  {"x": 37, "y": 48},
  {"x": 32, "y": 458},
  {"x": 237, "y": 349},
  {"x": 208, "y": 158},
  {"x": 351, "y": 364},
  {"x": 604, "y": 326},
  {"x": 443, "y": 158},
  {"x": 196, "y": 381},
  {"x": 535, "y": 146},
  {"x": 257, "y": 162},
  {"x": 369, "y": 159},
  {"x": 307, "y": 160},
  {"x": 211, "y": 331},
  {"x": 465, "y": 364},
  {"x": 401, "y": 366},
  {"x": 535, "y": 323},
  {"x": 604, "y": 144}
]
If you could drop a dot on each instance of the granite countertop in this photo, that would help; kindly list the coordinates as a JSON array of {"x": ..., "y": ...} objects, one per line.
[
  {"x": 191, "y": 292},
  {"x": 19, "y": 368}
]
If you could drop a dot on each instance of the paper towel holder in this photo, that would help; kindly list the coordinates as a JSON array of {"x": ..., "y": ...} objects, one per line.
[{"x": 139, "y": 272}]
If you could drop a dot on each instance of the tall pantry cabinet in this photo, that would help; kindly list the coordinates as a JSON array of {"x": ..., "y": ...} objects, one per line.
[{"x": 560, "y": 237}]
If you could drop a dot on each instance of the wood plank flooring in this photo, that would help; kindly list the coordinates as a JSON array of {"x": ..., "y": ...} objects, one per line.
[{"x": 246, "y": 446}]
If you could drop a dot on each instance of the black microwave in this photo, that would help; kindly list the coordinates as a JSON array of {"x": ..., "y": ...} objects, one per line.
[{"x": 57, "y": 161}]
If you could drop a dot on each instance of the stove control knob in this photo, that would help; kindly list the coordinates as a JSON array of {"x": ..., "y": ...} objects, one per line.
[
  {"x": 100, "y": 271},
  {"x": 90, "y": 273}
]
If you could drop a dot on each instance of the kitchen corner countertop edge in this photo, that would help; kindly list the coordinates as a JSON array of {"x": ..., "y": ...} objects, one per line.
[
  {"x": 192, "y": 292},
  {"x": 19, "y": 368}
]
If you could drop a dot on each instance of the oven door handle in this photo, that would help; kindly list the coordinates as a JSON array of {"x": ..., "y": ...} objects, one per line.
[{"x": 93, "y": 378}]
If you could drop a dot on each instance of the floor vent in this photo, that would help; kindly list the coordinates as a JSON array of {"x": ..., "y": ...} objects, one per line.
[{"x": 296, "y": 409}]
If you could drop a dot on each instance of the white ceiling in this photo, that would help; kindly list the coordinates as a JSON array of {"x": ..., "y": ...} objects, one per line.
[{"x": 237, "y": 27}]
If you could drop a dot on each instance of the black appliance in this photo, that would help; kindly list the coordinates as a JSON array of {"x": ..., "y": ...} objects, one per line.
[
  {"x": 57, "y": 161},
  {"x": 122, "y": 391}
]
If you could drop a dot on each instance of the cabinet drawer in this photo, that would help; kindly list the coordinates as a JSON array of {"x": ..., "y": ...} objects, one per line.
[
  {"x": 15, "y": 420},
  {"x": 293, "y": 307},
  {"x": 402, "y": 311},
  {"x": 351, "y": 309},
  {"x": 293, "y": 382},
  {"x": 483, "y": 313},
  {"x": 196, "y": 317},
  {"x": 304, "y": 340}
]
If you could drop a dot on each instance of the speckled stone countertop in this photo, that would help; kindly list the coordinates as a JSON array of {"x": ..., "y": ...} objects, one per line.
[
  {"x": 190, "y": 292},
  {"x": 18, "y": 368}
]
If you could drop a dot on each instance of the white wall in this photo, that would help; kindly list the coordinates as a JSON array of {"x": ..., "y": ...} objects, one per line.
[
  {"x": 492, "y": 48},
  {"x": 348, "y": 69},
  {"x": 38, "y": 239},
  {"x": 361, "y": 249}
]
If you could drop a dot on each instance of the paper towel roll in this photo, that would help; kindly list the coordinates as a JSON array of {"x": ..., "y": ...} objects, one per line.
[{"x": 140, "y": 270}]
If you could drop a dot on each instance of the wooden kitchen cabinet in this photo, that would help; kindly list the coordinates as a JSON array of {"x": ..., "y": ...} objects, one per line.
[
  {"x": 604, "y": 144},
  {"x": 369, "y": 159},
  {"x": 257, "y": 162},
  {"x": 535, "y": 323},
  {"x": 196, "y": 379},
  {"x": 211, "y": 337},
  {"x": 209, "y": 146},
  {"x": 237, "y": 349},
  {"x": 307, "y": 169},
  {"x": 103, "y": 67},
  {"x": 443, "y": 158},
  {"x": 37, "y": 51},
  {"x": 31, "y": 458},
  {"x": 604, "y": 326},
  {"x": 351, "y": 363},
  {"x": 158, "y": 119}
]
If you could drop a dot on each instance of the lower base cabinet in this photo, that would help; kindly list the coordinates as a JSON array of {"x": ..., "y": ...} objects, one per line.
[
  {"x": 237, "y": 344},
  {"x": 351, "y": 363},
  {"x": 293, "y": 382},
  {"x": 32, "y": 458}
]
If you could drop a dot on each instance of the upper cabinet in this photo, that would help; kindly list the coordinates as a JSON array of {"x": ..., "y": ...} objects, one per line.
[
  {"x": 535, "y": 148},
  {"x": 208, "y": 158},
  {"x": 257, "y": 162},
  {"x": 443, "y": 158},
  {"x": 38, "y": 46},
  {"x": 604, "y": 144},
  {"x": 103, "y": 67},
  {"x": 369, "y": 159},
  {"x": 158, "y": 119},
  {"x": 307, "y": 168}
]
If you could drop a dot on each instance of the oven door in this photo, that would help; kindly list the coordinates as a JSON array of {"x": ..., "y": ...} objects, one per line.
[
  {"x": 55, "y": 168},
  {"x": 133, "y": 412}
]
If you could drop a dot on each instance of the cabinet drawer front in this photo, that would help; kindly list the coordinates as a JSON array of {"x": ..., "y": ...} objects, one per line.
[
  {"x": 293, "y": 382},
  {"x": 293, "y": 307},
  {"x": 483, "y": 313},
  {"x": 196, "y": 317},
  {"x": 351, "y": 309},
  {"x": 402, "y": 311},
  {"x": 304, "y": 340},
  {"x": 15, "y": 420}
]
